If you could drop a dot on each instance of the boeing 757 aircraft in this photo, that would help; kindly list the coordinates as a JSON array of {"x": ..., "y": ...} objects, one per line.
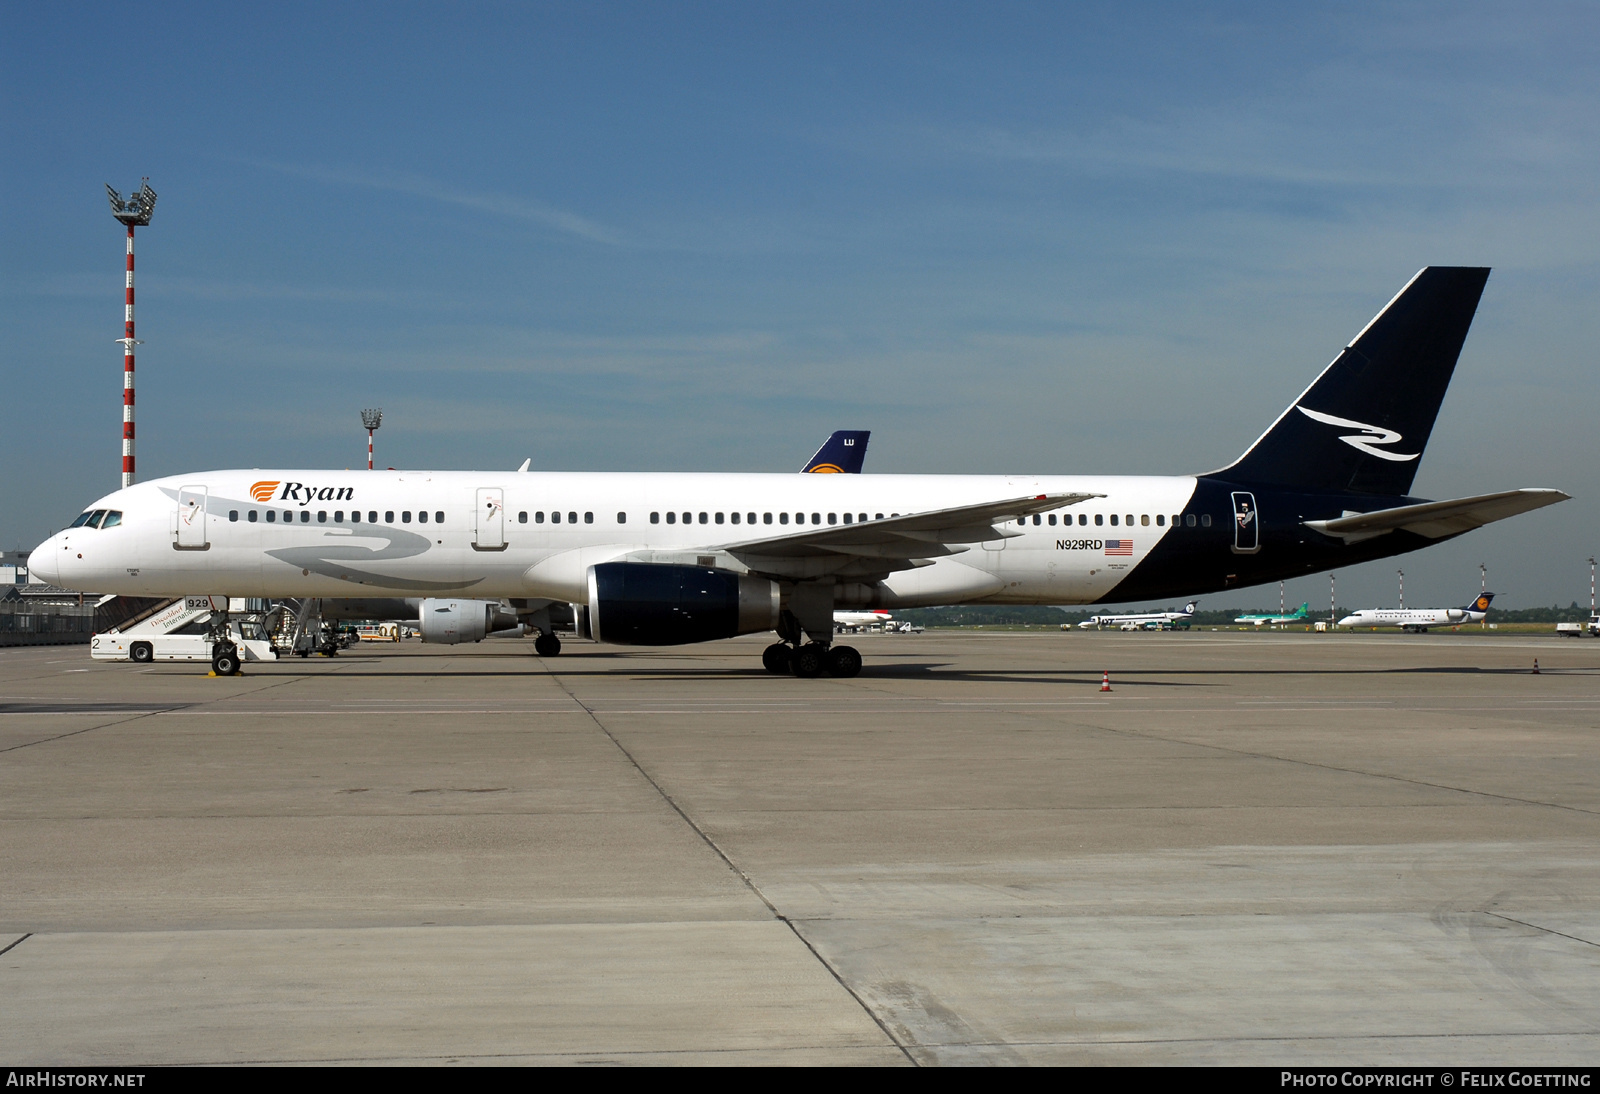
[
  {"x": 1418, "y": 620},
  {"x": 662, "y": 558}
]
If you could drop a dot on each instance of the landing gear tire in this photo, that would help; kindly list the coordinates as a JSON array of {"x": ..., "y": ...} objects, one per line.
[
  {"x": 775, "y": 658},
  {"x": 843, "y": 662},
  {"x": 547, "y": 645},
  {"x": 140, "y": 653},
  {"x": 810, "y": 660},
  {"x": 225, "y": 661}
]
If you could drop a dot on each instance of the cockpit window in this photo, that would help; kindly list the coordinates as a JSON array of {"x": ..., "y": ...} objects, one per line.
[
  {"x": 84, "y": 518},
  {"x": 113, "y": 518}
]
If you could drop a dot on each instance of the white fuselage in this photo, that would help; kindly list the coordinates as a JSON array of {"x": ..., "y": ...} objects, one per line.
[
  {"x": 493, "y": 534},
  {"x": 1411, "y": 617}
]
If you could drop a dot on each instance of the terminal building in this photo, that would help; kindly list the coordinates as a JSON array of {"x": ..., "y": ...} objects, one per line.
[{"x": 36, "y": 614}]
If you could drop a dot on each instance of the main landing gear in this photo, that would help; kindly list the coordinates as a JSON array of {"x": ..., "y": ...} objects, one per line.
[
  {"x": 812, "y": 660},
  {"x": 547, "y": 645}
]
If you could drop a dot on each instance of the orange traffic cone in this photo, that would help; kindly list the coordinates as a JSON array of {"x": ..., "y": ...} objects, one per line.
[
  {"x": 1536, "y": 666},
  {"x": 1105, "y": 681}
]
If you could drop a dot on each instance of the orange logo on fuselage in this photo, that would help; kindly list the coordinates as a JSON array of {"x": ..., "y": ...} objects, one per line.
[{"x": 262, "y": 491}]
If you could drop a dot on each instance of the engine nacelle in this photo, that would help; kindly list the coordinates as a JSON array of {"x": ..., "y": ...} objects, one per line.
[
  {"x": 644, "y": 604},
  {"x": 449, "y": 621}
]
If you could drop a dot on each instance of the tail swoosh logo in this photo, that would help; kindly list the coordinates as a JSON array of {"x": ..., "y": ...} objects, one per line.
[{"x": 1364, "y": 441}]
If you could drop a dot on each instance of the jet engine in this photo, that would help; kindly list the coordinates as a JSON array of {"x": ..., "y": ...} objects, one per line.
[
  {"x": 644, "y": 604},
  {"x": 449, "y": 621}
]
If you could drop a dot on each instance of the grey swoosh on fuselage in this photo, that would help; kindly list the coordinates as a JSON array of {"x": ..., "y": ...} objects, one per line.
[{"x": 334, "y": 560}]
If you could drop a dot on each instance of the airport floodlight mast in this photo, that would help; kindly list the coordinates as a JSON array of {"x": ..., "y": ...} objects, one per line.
[
  {"x": 372, "y": 419},
  {"x": 1402, "y": 574},
  {"x": 132, "y": 213},
  {"x": 1591, "y": 587},
  {"x": 1333, "y": 610}
]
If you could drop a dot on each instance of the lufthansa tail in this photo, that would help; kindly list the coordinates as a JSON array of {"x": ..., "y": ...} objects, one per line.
[
  {"x": 1362, "y": 425},
  {"x": 841, "y": 454}
]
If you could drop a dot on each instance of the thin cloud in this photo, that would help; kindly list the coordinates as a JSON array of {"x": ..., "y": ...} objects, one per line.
[{"x": 528, "y": 210}]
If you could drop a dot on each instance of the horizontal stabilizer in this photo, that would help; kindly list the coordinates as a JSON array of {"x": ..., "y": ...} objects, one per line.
[{"x": 1437, "y": 519}]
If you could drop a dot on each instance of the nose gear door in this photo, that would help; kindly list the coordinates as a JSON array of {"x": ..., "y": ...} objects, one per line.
[
  {"x": 192, "y": 519},
  {"x": 1246, "y": 524}
]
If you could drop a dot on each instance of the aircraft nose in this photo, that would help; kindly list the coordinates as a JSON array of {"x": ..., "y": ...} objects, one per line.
[{"x": 43, "y": 563}]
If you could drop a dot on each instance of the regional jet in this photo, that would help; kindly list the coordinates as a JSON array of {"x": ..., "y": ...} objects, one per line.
[
  {"x": 1137, "y": 619},
  {"x": 1299, "y": 615},
  {"x": 1418, "y": 620},
  {"x": 663, "y": 558}
]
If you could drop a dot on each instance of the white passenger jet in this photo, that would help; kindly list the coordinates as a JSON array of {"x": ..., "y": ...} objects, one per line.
[
  {"x": 663, "y": 558},
  {"x": 1418, "y": 620},
  {"x": 1099, "y": 622}
]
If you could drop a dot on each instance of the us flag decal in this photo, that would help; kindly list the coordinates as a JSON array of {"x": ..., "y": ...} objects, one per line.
[{"x": 1119, "y": 546}]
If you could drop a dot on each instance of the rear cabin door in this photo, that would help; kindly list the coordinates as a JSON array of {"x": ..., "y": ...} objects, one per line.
[
  {"x": 489, "y": 533},
  {"x": 192, "y": 518},
  {"x": 1246, "y": 524}
]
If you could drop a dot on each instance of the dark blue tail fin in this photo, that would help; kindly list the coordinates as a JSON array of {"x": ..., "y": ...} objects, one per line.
[
  {"x": 1480, "y": 603},
  {"x": 1362, "y": 425},
  {"x": 841, "y": 454}
]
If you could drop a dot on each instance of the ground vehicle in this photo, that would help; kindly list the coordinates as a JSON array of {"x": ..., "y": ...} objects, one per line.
[
  {"x": 1578, "y": 630},
  {"x": 249, "y": 638}
]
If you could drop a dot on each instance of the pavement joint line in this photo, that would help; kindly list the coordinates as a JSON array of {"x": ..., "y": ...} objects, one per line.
[
  {"x": 17, "y": 943},
  {"x": 748, "y": 881},
  {"x": 268, "y": 683},
  {"x": 531, "y": 1053},
  {"x": 1347, "y": 770},
  {"x": 1519, "y": 922}
]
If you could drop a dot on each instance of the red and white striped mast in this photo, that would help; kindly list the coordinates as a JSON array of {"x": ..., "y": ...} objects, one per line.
[
  {"x": 135, "y": 211},
  {"x": 372, "y": 419}
]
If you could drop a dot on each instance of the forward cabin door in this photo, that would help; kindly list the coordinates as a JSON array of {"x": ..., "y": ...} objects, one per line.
[
  {"x": 489, "y": 531},
  {"x": 192, "y": 519}
]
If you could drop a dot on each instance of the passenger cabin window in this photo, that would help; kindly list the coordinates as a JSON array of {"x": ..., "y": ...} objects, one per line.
[
  {"x": 405, "y": 516},
  {"x": 719, "y": 518},
  {"x": 655, "y": 518},
  {"x": 816, "y": 518},
  {"x": 1083, "y": 518},
  {"x": 438, "y": 517},
  {"x": 766, "y": 518},
  {"x": 1113, "y": 520},
  {"x": 322, "y": 516},
  {"x": 733, "y": 518},
  {"x": 622, "y": 518},
  {"x": 522, "y": 518},
  {"x": 752, "y": 517},
  {"x": 847, "y": 519},
  {"x": 1188, "y": 521},
  {"x": 388, "y": 516},
  {"x": 1161, "y": 520},
  {"x": 305, "y": 516},
  {"x": 833, "y": 518},
  {"x": 1100, "y": 519},
  {"x": 572, "y": 518},
  {"x": 272, "y": 515},
  {"x": 878, "y": 517},
  {"x": 688, "y": 518},
  {"x": 702, "y": 518},
  {"x": 538, "y": 518},
  {"x": 672, "y": 518},
  {"x": 355, "y": 516},
  {"x": 1144, "y": 520},
  {"x": 588, "y": 518},
  {"x": 233, "y": 515},
  {"x": 251, "y": 516},
  {"x": 783, "y": 518},
  {"x": 1130, "y": 520},
  {"x": 338, "y": 516},
  {"x": 422, "y": 517},
  {"x": 1205, "y": 520}
]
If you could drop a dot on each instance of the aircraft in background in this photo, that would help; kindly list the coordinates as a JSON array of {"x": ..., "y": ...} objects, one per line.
[
  {"x": 1300, "y": 615},
  {"x": 1138, "y": 620},
  {"x": 841, "y": 454},
  {"x": 853, "y": 621},
  {"x": 1418, "y": 620},
  {"x": 661, "y": 558}
]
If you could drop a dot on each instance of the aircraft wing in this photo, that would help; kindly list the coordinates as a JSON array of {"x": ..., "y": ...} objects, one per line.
[
  {"x": 1437, "y": 519},
  {"x": 899, "y": 542}
]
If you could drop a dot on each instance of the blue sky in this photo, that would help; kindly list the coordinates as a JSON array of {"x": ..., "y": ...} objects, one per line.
[{"x": 1031, "y": 238}]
